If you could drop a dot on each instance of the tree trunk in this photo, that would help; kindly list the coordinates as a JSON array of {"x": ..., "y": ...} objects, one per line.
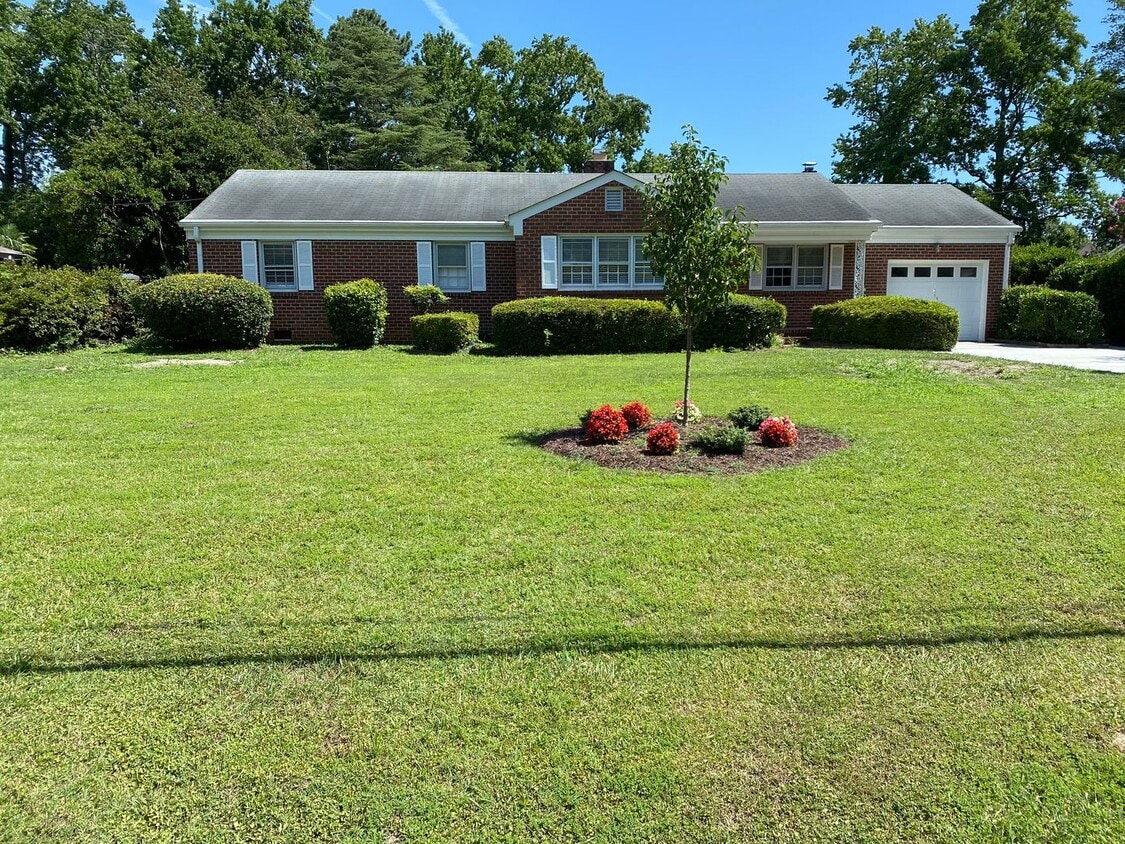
[
  {"x": 687, "y": 366},
  {"x": 9, "y": 165}
]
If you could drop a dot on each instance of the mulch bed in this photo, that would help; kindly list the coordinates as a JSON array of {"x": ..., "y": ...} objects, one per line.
[{"x": 690, "y": 460}]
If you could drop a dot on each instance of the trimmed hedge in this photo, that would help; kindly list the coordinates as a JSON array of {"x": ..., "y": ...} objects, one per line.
[
  {"x": 560, "y": 325},
  {"x": 1042, "y": 315},
  {"x": 743, "y": 322},
  {"x": 357, "y": 313},
  {"x": 887, "y": 322},
  {"x": 1103, "y": 277},
  {"x": 1034, "y": 264},
  {"x": 54, "y": 310},
  {"x": 204, "y": 311},
  {"x": 1106, "y": 283},
  {"x": 444, "y": 333}
]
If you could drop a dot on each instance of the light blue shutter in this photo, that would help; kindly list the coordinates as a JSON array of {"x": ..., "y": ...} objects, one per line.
[
  {"x": 250, "y": 260},
  {"x": 756, "y": 275},
  {"x": 836, "y": 267},
  {"x": 425, "y": 263},
  {"x": 549, "y": 261},
  {"x": 304, "y": 265},
  {"x": 476, "y": 266}
]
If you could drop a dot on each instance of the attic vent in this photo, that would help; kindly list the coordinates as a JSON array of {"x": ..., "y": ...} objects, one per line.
[{"x": 614, "y": 199}]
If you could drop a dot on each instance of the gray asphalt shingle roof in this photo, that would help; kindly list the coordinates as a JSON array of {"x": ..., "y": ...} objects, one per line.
[
  {"x": 922, "y": 205},
  {"x": 431, "y": 196},
  {"x": 379, "y": 195}
]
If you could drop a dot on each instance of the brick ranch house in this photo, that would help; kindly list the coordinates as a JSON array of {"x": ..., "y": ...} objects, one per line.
[{"x": 486, "y": 238}]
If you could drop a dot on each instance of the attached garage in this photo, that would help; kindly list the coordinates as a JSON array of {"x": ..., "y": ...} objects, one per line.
[{"x": 962, "y": 285}]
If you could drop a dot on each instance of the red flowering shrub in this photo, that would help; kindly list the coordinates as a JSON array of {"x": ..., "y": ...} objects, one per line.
[
  {"x": 778, "y": 433},
  {"x": 606, "y": 425},
  {"x": 636, "y": 415},
  {"x": 663, "y": 439}
]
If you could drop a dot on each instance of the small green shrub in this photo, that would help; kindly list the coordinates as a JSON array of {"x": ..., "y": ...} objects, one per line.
[
  {"x": 357, "y": 313},
  {"x": 561, "y": 325},
  {"x": 444, "y": 333},
  {"x": 722, "y": 439},
  {"x": 422, "y": 299},
  {"x": 1034, "y": 264},
  {"x": 743, "y": 322},
  {"x": 750, "y": 416},
  {"x": 45, "y": 309},
  {"x": 199, "y": 312},
  {"x": 1042, "y": 315},
  {"x": 887, "y": 322}
]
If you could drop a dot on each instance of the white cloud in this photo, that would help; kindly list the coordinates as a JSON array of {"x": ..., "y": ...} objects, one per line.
[{"x": 439, "y": 12}]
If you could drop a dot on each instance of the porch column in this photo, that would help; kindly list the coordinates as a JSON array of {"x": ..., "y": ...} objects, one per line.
[{"x": 858, "y": 288}]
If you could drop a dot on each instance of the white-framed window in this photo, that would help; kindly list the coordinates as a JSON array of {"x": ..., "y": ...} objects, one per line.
[
  {"x": 279, "y": 264},
  {"x": 451, "y": 267},
  {"x": 605, "y": 261},
  {"x": 795, "y": 267}
]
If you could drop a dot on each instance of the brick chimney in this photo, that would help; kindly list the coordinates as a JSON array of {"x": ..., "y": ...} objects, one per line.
[{"x": 599, "y": 163}]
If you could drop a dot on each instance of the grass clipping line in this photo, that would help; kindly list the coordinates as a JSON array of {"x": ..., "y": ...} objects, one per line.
[{"x": 690, "y": 459}]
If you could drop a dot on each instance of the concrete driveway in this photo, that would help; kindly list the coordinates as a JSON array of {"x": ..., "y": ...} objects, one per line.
[{"x": 1097, "y": 358}]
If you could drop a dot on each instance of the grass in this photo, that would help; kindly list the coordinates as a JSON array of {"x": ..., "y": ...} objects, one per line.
[{"x": 337, "y": 596}]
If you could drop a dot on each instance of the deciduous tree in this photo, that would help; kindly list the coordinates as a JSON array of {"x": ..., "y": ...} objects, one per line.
[{"x": 702, "y": 252}]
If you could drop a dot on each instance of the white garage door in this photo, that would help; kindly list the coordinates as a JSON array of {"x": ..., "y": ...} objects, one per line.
[{"x": 959, "y": 284}]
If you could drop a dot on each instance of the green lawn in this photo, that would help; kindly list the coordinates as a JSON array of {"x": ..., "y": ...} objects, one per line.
[{"x": 336, "y": 596}]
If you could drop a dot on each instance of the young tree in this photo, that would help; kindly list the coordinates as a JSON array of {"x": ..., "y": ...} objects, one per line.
[{"x": 703, "y": 252}]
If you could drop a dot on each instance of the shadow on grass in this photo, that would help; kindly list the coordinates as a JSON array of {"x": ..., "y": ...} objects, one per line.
[{"x": 583, "y": 645}]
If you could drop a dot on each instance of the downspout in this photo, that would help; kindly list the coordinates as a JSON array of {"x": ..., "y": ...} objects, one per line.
[
  {"x": 199, "y": 249},
  {"x": 1008, "y": 259}
]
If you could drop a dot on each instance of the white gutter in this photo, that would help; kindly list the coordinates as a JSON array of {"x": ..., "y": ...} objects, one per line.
[{"x": 198, "y": 249}]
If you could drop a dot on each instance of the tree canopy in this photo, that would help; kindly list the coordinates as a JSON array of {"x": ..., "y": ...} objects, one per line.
[
  {"x": 109, "y": 136},
  {"x": 1007, "y": 107}
]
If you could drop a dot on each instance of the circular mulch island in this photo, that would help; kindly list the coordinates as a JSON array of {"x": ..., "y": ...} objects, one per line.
[{"x": 690, "y": 459}]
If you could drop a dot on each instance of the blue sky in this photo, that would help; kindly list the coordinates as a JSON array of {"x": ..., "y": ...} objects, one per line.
[{"x": 750, "y": 75}]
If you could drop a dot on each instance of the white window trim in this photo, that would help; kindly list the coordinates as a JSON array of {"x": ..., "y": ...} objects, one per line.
[
  {"x": 262, "y": 269},
  {"x": 794, "y": 267},
  {"x": 632, "y": 284},
  {"x": 468, "y": 268}
]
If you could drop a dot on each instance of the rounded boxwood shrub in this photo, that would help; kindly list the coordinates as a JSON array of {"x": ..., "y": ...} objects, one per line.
[
  {"x": 199, "y": 312},
  {"x": 749, "y": 416},
  {"x": 45, "y": 309},
  {"x": 444, "y": 333},
  {"x": 887, "y": 322},
  {"x": 424, "y": 297},
  {"x": 1034, "y": 264},
  {"x": 357, "y": 313},
  {"x": 561, "y": 325},
  {"x": 1042, "y": 315},
  {"x": 742, "y": 322},
  {"x": 722, "y": 439}
]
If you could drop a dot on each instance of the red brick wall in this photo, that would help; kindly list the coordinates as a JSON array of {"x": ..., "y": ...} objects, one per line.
[
  {"x": 586, "y": 214},
  {"x": 393, "y": 263},
  {"x": 875, "y": 277}
]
